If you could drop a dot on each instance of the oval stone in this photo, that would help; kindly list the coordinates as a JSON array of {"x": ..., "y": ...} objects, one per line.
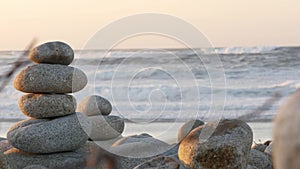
[
  {"x": 228, "y": 146},
  {"x": 49, "y": 135},
  {"x": 105, "y": 127},
  {"x": 134, "y": 150},
  {"x": 47, "y": 105},
  {"x": 94, "y": 105},
  {"x": 52, "y": 53},
  {"x": 47, "y": 78}
]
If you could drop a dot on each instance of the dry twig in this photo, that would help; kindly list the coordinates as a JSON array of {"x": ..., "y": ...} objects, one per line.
[{"x": 21, "y": 61}]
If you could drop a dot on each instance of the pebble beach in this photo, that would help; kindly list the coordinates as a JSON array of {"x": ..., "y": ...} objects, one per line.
[{"x": 61, "y": 132}]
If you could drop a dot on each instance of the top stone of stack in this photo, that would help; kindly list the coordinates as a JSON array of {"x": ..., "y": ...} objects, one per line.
[{"x": 52, "y": 53}]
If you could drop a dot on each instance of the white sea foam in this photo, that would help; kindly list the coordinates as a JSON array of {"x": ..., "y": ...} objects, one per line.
[{"x": 155, "y": 83}]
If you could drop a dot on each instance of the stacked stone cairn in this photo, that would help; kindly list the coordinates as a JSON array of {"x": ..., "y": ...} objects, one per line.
[
  {"x": 104, "y": 126},
  {"x": 54, "y": 134}
]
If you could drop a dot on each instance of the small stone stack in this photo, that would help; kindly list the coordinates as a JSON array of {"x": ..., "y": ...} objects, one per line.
[
  {"x": 54, "y": 133},
  {"x": 104, "y": 125}
]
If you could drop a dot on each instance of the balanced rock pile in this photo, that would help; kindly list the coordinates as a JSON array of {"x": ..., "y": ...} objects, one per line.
[
  {"x": 54, "y": 134},
  {"x": 104, "y": 126}
]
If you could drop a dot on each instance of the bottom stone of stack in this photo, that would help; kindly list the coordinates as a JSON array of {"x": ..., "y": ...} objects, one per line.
[
  {"x": 19, "y": 159},
  {"x": 61, "y": 134}
]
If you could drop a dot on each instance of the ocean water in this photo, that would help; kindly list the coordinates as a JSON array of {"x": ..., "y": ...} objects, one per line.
[{"x": 150, "y": 85}]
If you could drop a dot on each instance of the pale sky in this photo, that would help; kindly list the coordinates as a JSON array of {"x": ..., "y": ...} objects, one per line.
[{"x": 226, "y": 23}]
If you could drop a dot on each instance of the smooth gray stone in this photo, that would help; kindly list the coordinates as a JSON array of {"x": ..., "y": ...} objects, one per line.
[
  {"x": 49, "y": 135},
  {"x": 50, "y": 78},
  {"x": 286, "y": 151},
  {"x": 52, "y": 53},
  {"x": 159, "y": 162},
  {"x": 259, "y": 159},
  {"x": 187, "y": 127},
  {"x": 47, "y": 105},
  {"x": 94, "y": 105},
  {"x": 133, "y": 150},
  {"x": 228, "y": 146},
  {"x": 105, "y": 127},
  {"x": 19, "y": 159}
]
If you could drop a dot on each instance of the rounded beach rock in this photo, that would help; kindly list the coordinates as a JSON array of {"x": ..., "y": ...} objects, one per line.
[
  {"x": 286, "y": 152},
  {"x": 49, "y": 135},
  {"x": 47, "y": 105},
  {"x": 133, "y": 150},
  {"x": 67, "y": 160},
  {"x": 52, "y": 53},
  {"x": 228, "y": 146},
  {"x": 94, "y": 105},
  {"x": 47, "y": 78},
  {"x": 187, "y": 127},
  {"x": 105, "y": 127}
]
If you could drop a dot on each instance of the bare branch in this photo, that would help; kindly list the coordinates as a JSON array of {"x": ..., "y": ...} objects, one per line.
[
  {"x": 21, "y": 61},
  {"x": 266, "y": 106}
]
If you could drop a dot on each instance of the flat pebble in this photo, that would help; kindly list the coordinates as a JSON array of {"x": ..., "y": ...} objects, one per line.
[
  {"x": 50, "y": 78},
  {"x": 52, "y": 53},
  {"x": 47, "y": 105}
]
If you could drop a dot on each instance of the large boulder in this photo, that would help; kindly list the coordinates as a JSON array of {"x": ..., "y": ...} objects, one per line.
[
  {"x": 50, "y": 78},
  {"x": 228, "y": 146},
  {"x": 49, "y": 135},
  {"x": 286, "y": 152}
]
